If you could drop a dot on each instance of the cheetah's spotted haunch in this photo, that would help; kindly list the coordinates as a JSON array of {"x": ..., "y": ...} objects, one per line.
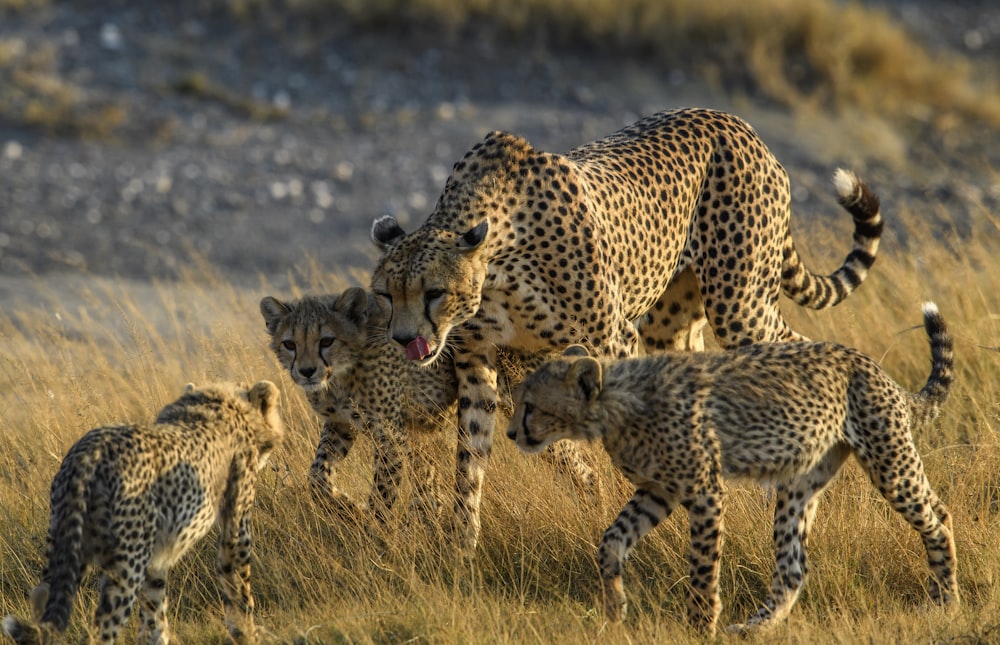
[
  {"x": 532, "y": 251},
  {"x": 133, "y": 499},
  {"x": 786, "y": 413}
]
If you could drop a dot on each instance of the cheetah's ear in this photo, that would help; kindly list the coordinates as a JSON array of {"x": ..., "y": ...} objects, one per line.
[
  {"x": 265, "y": 396},
  {"x": 575, "y": 351},
  {"x": 273, "y": 311},
  {"x": 354, "y": 304},
  {"x": 586, "y": 374},
  {"x": 474, "y": 237},
  {"x": 386, "y": 231},
  {"x": 189, "y": 388}
]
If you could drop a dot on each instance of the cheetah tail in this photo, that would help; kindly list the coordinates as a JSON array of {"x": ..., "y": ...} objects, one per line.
[
  {"x": 64, "y": 563},
  {"x": 819, "y": 292},
  {"x": 21, "y": 631},
  {"x": 926, "y": 404}
]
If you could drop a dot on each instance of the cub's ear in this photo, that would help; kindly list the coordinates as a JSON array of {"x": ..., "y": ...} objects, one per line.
[
  {"x": 265, "y": 396},
  {"x": 585, "y": 373},
  {"x": 354, "y": 305},
  {"x": 273, "y": 311},
  {"x": 575, "y": 351},
  {"x": 474, "y": 237},
  {"x": 189, "y": 388},
  {"x": 386, "y": 231}
]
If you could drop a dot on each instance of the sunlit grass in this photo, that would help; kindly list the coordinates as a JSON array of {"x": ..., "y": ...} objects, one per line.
[{"x": 95, "y": 351}]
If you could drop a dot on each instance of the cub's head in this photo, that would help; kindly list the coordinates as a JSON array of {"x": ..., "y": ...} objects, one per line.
[
  {"x": 239, "y": 406},
  {"x": 319, "y": 338},
  {"x": 432, "y": 279},
  {"x": 555, "y": 401}
]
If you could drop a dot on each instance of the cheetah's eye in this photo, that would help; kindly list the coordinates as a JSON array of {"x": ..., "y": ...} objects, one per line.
[
  {"x": 325, "y": 342},
  {"x": 384, "y": 296},
  {"x": 432, "y": 294},
  {"x": 289, "y": 345}
]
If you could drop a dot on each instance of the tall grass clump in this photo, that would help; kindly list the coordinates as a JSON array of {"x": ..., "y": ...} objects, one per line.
[{"x": 98, "y": 351}]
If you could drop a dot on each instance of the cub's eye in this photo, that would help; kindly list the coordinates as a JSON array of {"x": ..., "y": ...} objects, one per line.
[
  {"x": 289, "y": 345},
  {"x": 433, "y": 294},
  {"x": 326, "y": 341},
  {"x": 384, "y": 296}
]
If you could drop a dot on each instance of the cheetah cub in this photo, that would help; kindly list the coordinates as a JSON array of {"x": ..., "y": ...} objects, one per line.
[
  {"x": 133, "y": 499},
  {"x": 788, "y": 414},
  {"x": 334, "y": 348}
]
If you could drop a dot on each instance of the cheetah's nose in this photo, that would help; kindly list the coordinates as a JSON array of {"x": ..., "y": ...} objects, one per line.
[
  {"x": 511, "y": 434},
  {"x": 404, "y": 340},
  {"x": 307, "y": 372}
]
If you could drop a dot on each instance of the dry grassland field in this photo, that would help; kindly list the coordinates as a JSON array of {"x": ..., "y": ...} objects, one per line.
[{"x": 164, "y": 167}]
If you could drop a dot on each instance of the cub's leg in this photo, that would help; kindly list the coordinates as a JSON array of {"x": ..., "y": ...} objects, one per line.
[
  {"x": 641, "y": 514},
  {"x": 391, "y": 447},
  {"x": 705, "y": 518},
  {"x": 899, "y": 476},
  {"x": 119, "y": 587},
  {"x": 795, "y": 509},
  {"x": 335, "y": 441},
  {"x": 153, "y": 628},
  {"x": 234, "y": 555}
]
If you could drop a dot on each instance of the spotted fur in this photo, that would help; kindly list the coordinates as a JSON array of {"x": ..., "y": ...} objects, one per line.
[
  {"x": 334, "y": 347},
  {"x": 788, "y": 414},
  {"x": 682, "y": 214},
  {"x": 133, "y": 499}
]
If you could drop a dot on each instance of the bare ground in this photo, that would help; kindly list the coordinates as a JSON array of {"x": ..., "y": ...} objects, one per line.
[{"x": 262, "y": 151}]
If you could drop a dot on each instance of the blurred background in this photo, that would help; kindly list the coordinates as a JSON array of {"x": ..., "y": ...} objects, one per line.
[
  {"x": 163, "y": 165},
  {"x": 261, "y": 135}
]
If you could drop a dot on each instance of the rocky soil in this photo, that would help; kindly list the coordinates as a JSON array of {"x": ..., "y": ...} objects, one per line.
[{"x": 263, "y": 151}]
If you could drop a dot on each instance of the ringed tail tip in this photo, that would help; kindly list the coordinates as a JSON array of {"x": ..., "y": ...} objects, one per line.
[{"x": 847, "y": 184}]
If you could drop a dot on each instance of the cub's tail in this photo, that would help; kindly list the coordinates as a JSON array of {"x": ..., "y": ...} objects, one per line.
[
  {"x": 926, "y": 404},
  {"x": 52, "y": 600},
  {"x": 819, "y": 292}
]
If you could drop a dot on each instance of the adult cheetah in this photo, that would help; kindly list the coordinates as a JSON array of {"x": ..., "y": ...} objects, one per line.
[
  {"x": 788, "y": 414},
  {"x": 533, "y": 251},
  {"x": 133, "y": 499}
]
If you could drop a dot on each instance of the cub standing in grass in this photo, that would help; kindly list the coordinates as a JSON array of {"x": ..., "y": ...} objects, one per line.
[
  {"x": 334, "y": 347},
  {"x": 134, "y": 499},
  {"x": 789, "y": 414}
]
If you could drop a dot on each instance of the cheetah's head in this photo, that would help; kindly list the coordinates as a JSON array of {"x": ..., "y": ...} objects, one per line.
[
  {"x": 319, "y": 338},
  {"x": 555, "y": 400},
  {"x": 431, "y": 281},
  {"x": 265, "y": 399}
]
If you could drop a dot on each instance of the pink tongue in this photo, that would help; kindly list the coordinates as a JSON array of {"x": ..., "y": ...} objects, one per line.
[{"x": 417, "y": 349}]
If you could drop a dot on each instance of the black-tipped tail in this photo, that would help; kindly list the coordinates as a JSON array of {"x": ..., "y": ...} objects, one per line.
[
  {"x": 926, "y": 404},
  {"x": 819, "y": 292}
]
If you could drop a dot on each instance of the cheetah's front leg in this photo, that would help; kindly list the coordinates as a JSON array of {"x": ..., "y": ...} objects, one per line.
[
  {"x": 335, "y": 442},
  {"x": 475, "y": 368},
  {"x": 641, "y": 514}
]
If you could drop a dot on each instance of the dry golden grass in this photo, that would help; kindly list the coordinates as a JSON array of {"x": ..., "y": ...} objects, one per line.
[{"x": 95, "y": 351}]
